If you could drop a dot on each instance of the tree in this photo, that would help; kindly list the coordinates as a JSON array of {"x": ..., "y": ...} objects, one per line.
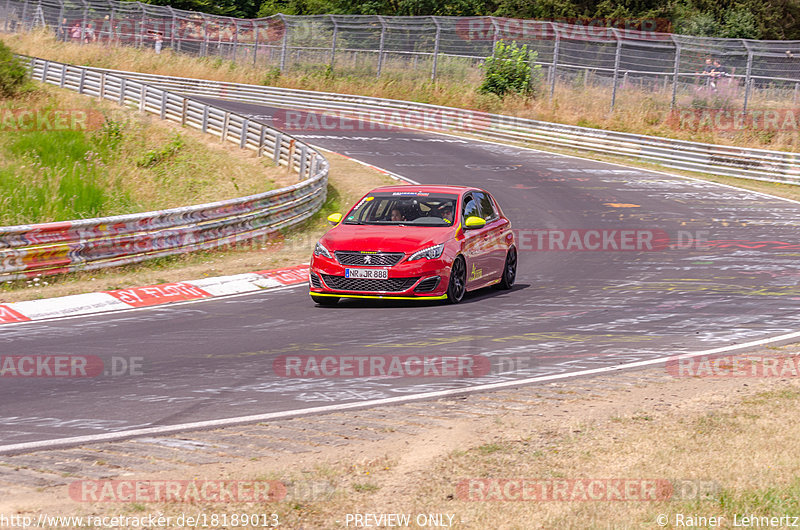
[{"x": 13, "y": 75}]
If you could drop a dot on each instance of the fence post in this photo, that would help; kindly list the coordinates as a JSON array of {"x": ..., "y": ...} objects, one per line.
[
  {"x": 436, "y": 49},
  {"x": 285, "y": 41},
  {"x": 7, "y": 17},
  {"x": 83, "y": 21},
  {"x": 616, "y": 68},
  {"x": 61, "y": 31},
  {"x": 257, "y": 33},
  {"x": 556, "y": 49},
  {"x": 747, "y": 79},
  {"x": 333, "y": 42},
  {"x": 495, "y": 33},
  {"x": 24, "y": 15},
  {"x": 235, "y": 38},
  {"x": 173, "y": 23},
  {"x": 380, "y": 47},
  {"x": 204, "y": 46},
  {"x": 676, "y": 67}
]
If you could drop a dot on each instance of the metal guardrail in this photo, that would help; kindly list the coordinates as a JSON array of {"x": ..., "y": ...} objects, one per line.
[
  {"x": 89, "y": 244},
  {"x": 756, "y": 164}
]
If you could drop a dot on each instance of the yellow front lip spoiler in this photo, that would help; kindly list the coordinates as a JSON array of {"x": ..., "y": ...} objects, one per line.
[{"x": 380, "y": 297}]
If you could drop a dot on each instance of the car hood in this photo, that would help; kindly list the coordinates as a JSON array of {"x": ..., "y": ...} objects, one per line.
[{"x": 385, "y": 238}]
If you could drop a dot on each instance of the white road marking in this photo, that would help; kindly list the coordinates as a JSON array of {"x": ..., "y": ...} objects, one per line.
[{"x": 212, "y": 424}]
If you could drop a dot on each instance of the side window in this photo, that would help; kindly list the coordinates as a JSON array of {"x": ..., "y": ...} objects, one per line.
[
  {"x": 471, "y": 207},
  {"x": 487, "y": 207}
]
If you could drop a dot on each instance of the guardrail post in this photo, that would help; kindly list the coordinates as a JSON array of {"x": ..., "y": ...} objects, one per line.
[
  {"x": 163, "y": 113},
  {"x": 303, "y": 162},
  {"x": 333, "y": 40},
  {"x": 82, "y": 81},
  {"x": 616, "y": 68},
  {"x": 142, "y": 97},
  {"x": 747, "y": 80},
  {"x": 102, "y": 86},
  {"x": 794, "y": 97},
  {"x": 63, "y": 76},
  {"x": 276, "y": 156},
  {"x": 556, "y": 49},
  {"x": 436, "y": 49},
  {"x": 380, "y": 46},
  {"x": 676, "y": 67},
  {"x": 184, "y": 111},
  {"x": 285, "y": 41},
  {"x": 225, "y": 123},
  {"x": 44, "y": 71},
  {"x": 262, "y": 137},
  {"x": 243, "y": 135},
  {"x": 290, "y": 163},
  {"x": 122, "y": 89}
]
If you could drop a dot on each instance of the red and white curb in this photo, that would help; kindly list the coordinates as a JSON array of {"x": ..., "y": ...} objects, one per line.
[{"x": 165, "y": 293}]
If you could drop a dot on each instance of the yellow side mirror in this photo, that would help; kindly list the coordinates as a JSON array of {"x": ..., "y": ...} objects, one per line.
[
  {"x": 335, "y": 218},
  {"x": 474, "y": 222}
]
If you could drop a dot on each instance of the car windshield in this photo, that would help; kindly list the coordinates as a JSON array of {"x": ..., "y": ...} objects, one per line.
[{"x": 404, "y": 208}]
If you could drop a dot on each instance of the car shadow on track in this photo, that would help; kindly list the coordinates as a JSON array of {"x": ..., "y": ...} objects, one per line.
[{"x": 473, "y": 297}]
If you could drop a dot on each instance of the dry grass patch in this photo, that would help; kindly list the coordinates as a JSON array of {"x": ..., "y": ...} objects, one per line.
[{"x": 637, "y": 110}]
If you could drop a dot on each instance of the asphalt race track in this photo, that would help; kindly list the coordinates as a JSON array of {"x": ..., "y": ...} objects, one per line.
[{"x": 733, "y": 279}]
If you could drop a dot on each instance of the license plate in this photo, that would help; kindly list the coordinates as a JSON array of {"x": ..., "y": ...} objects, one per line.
[{"x": 367, "y": 274}]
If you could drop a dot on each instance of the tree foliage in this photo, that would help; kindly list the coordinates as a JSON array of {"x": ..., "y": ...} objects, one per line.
[{"x": 509, "y": 70}]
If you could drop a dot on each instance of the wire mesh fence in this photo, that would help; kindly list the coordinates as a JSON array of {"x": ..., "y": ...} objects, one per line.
[{"x": 613, "y": 54}]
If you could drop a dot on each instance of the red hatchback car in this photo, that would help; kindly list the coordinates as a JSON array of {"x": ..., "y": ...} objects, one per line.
[{"x": 415, "y": 242}]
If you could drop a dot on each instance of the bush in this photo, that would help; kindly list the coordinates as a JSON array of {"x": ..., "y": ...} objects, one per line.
[
  {"x": 509, "y": 70},
  {"x": 13, "y": 75}
]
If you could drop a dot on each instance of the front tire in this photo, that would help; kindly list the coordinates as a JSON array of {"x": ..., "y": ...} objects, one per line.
[
  {"x": 458, "y": 281},
  {"x": 509, "y": 270},
  {"x": 325, "y": 300}
]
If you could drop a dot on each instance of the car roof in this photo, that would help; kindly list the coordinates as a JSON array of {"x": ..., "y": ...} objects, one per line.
[{"x": 429, "y": 188}]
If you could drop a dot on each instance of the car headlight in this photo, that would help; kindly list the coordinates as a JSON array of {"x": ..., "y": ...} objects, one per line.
[
  {"x": 427, "y": 253},
  {"x": 320, "y": 250}
]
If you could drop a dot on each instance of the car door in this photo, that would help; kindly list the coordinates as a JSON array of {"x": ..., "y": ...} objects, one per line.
[
  {"x": 494, "y": 236},
  {"x": 475, "y": 247}
]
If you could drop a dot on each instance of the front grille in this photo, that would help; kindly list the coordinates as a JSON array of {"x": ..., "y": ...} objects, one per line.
[
  {"x": 340, "y": 283},
  {"x": 427, "y": 285},
  {"x": 315, "y": 281},
  {"x": 377, "y": 259}
]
